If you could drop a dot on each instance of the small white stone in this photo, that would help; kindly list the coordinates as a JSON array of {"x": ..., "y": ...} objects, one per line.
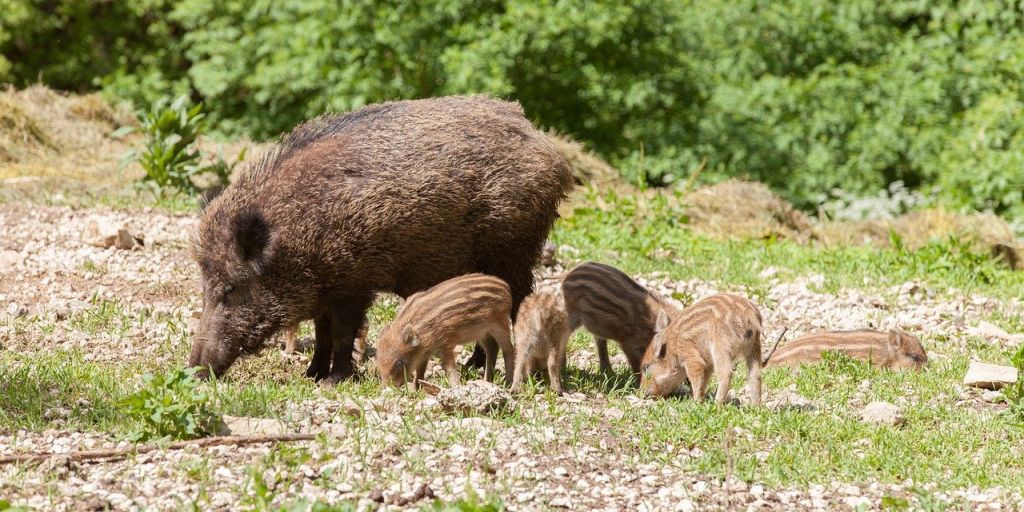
[
  {"x": 243, "y": 426},
  {"x": 684, "y": 505},
  {"x": 882, "y": 413}
]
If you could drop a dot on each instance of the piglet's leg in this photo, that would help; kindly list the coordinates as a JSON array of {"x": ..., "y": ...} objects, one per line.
[
  {"x": 556, "y": 357},
  {"x": 754, "y": 379},
  {"x": 291, "y": 342},
  {"x": 524, "y": 357},
  {"x": 602, "y": 355},
  {"x": 697, "y": 373},
  {"x": 503, "y": 339},
  {"x": 723, "y": 372},
  {"x": 451, "y": 366}
]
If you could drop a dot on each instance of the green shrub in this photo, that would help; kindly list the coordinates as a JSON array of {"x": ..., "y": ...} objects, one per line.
[
  {"x": 169, "y": 156},
  {"x": 172, "y": 405},
  {"x": 72, "y": 44},
  {"x": 806, "y": 96}
]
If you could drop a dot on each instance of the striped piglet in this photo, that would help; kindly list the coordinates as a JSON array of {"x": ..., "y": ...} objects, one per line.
[
  {"x": 708, "y": 336},
  {"x": 466, "y": 309}
]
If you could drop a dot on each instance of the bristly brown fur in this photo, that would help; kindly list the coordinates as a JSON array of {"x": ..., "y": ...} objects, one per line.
[
  {"x": 708, "y": 336},
  {"x": 612, "y": 306},
  {"x": 893, "y": 349},
  {"x": 465, "y": 309},
  {"x": 394, "y": 197}
]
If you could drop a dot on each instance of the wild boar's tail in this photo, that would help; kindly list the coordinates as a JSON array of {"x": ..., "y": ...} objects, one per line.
[{"x": 560, "y": 166}]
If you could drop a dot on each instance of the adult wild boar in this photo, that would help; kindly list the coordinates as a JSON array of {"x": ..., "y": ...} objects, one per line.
[{"x": 396, "y": 197}]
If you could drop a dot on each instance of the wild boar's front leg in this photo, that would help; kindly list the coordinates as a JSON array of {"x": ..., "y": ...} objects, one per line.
[{"x": 346, "y": 324}]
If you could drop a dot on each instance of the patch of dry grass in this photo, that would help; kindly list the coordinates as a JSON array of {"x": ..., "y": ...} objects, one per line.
[
  {"x": 737, "y": 209},
  {"x": 47, "y": 134},
  {"x": 985, "y": 231}
]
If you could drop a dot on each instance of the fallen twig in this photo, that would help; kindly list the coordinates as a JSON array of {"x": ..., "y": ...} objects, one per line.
[
  {"x": 89, "y": 455},
  {"x": 775, "y": 345}
]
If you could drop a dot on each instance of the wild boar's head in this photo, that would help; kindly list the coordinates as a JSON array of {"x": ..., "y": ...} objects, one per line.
[{"x": 236, "y": 251}]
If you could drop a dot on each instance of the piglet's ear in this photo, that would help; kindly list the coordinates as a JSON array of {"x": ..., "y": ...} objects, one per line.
[
  {"x": 661, "y": 322},
  {"x": 252, "y": 239},
  {"x": 658, "y": 346},
  {"x": 409, "y": 337},
  {"x": 894, "y": 338}
]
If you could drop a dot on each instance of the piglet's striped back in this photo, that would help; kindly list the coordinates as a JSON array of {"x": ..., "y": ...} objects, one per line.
[
  {"x": 455, "y": 301},
  {"x": 893, "y": 349}
]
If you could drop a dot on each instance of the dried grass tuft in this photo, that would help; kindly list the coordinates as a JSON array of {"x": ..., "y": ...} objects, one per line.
[
  {"x": 738, "y": 209},
  {"x": 44, "y": 133},
  {"x": 985, "y": 231}
]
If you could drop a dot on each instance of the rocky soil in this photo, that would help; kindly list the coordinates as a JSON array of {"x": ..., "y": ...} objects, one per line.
[{"x": 55, "y": 263}]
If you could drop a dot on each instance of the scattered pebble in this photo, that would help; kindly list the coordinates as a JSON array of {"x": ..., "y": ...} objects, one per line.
[
  {"x": 882, "y": 413},
  {"x": 478, "y": 396}
]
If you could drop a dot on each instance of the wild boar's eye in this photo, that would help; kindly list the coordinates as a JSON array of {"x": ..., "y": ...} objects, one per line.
[{"x": 235, "y": 295}]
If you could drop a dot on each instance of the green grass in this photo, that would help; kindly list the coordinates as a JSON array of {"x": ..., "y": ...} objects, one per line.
[
  {"x": 943, "y": 442},
  {"x": 628, "y": 231}
]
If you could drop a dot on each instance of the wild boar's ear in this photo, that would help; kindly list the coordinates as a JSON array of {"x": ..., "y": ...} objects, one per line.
[
  {"x": 252, "y": 236},
  {"x": 409, "y": 337},
  {"x": 209, "y": 195},
  {"x": 662, "y": 349}
]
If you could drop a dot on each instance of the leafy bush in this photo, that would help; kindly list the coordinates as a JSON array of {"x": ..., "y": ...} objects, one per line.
[
  {"x": 71, "y": 44},
  {"x": 172, "y": 405},
  {"x": 805, "y": 96},
  {"x": 169, "y": 157},
  {"x": 889, "y": 203}
]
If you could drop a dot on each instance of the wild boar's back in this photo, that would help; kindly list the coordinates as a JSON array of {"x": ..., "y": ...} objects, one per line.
[{"x": 402, "y": 195}]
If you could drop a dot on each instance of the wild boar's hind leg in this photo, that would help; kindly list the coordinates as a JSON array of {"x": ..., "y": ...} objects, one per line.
[{"x": 320, "y": 365}]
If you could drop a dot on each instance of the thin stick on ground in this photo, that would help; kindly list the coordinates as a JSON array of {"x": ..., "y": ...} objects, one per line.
[
  {"x": 775, "y": 345},
  {"x": 91, "y": 455}
]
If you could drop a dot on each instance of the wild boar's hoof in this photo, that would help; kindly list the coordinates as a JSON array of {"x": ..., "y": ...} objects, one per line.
[
  {"x": 317, "y": 371},
  {"x": 336, "y": 377}
]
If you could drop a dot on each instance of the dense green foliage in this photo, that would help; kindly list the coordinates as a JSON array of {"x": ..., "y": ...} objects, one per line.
[
  {"x": 169, "y": 157},
  {"x": 804, "y": 95},
  {"x": 71, "y": 44}
]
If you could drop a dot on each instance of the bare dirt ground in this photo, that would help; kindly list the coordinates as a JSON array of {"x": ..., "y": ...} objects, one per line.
[{"x": 543, "y": 460}]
